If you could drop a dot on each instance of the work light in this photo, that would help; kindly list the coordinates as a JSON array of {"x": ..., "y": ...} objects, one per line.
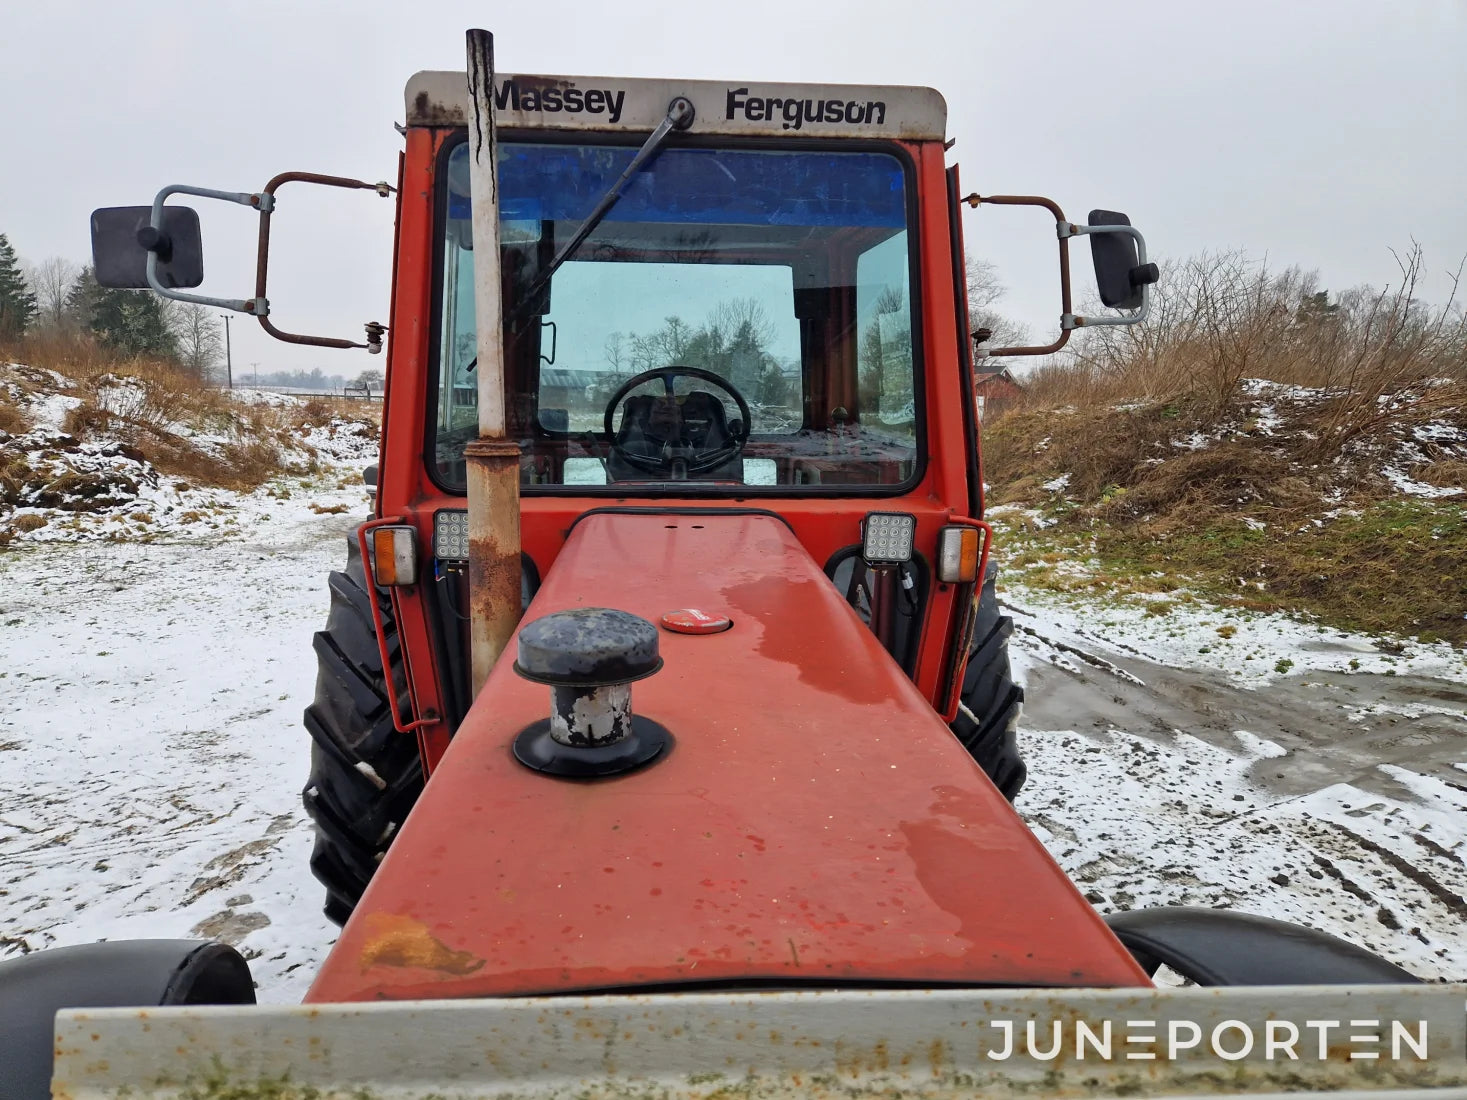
[
  {"x": 451, "y": 534},
  {"x": 887, "y": 537}
]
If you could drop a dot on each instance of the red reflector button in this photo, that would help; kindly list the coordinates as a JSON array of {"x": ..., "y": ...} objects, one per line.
[{"x": 689, "y": 620}]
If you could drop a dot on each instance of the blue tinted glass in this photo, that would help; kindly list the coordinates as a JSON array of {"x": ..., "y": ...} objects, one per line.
[
  {"x": 743, "y": 317},
  {"x": 706, "y": 186}
]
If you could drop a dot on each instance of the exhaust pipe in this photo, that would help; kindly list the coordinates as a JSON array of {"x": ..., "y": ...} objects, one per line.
[{"x": 492, "y": 460}]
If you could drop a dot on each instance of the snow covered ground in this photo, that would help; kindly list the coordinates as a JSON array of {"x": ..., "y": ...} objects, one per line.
[
  {"x": 151, "y": 747},
  {"x": 1301, "y": 774},
  {"x": 151, "y": 752}
]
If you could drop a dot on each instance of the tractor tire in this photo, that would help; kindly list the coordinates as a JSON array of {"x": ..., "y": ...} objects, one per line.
[
  {"x": 365, "y": 776},
  {"x": 990, "y": 704}
]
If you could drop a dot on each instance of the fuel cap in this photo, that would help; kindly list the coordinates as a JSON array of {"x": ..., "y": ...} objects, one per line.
[
  {"x": 590, "y": 657},
  {"x": 588, "y": 647},
  {"x": 690, "y": 620}
]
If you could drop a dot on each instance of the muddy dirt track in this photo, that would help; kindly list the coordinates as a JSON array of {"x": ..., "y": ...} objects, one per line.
[
  {"x": 1338, "y": 799},
  {"x": 1339, "y": 727}
]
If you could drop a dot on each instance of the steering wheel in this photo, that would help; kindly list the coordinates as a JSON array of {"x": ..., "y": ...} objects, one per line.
[{"x": 679, "y": 458}]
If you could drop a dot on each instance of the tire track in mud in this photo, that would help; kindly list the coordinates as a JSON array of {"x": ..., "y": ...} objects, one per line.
[
  {"x": 1140, "y": 813},
  {"x": 1454, "y": 902}
]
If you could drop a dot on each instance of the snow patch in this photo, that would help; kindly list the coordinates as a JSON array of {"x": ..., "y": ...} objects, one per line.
[
  {"x": 1410, "y": 487},
  {"x": 1183, "y": 822},
  {"x": 50, "y": 409},
  {"x": 1252, "y": 649}
]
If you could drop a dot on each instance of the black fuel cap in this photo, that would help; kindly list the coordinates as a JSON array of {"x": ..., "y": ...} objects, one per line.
[
  {"x": 589, "y": 657},
  {"x": 588, "y": 647}
]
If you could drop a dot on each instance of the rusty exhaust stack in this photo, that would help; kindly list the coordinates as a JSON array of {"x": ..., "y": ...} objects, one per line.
[{"x": 493, "y": 460}]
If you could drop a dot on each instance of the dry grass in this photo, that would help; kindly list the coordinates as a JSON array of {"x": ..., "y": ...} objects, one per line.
[
  {"x": 1170, "y": 470},
  {"x": 1442, "y": 472},
  {"x": 1217, "y": 319},
  {"x": 186, "y": 427},
  {"x": 12, "y": 420}
]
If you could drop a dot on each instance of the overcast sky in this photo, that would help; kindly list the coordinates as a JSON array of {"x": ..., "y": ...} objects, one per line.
[{"x": 1320, "y": 134}]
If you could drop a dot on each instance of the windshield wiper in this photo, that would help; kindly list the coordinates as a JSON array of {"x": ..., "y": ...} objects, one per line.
[{"x": 679, "y": 117}]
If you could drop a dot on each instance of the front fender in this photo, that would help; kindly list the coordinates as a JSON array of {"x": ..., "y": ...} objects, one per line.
[
  {"x": 1221, "y": 947},
  {"x": 119, "y": 974}
]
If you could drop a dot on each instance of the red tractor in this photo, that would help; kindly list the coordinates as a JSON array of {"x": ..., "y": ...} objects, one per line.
[{"x": 664, "y": 735}]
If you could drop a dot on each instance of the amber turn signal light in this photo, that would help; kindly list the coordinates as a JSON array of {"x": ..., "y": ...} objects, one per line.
[
  {"x": 957, "y": 554},
  {"x": 395, "y": 555}
]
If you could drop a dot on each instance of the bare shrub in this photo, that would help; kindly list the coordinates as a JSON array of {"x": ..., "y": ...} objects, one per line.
[
  {"x": 1379, "y": 356},
  {"x": 1397, "y": 360},
  {"x": 1215, "y": 319}
]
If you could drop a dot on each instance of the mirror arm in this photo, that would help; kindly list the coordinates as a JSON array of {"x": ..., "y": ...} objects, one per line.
[
  {"x": 158, "y": 242},
  {"x": 158, "y": 246},
  {"x": 262, "y": 260},
  {"x": 1060, "y": 221},
  {"x": 1142, "y": 275}
]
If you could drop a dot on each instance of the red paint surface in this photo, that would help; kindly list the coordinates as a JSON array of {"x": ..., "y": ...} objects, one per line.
[{"x": 814, "y": 821}]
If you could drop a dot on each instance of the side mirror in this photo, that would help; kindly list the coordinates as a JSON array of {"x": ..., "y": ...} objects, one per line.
[
  {"x": 1119, "y": 273},
  {"x": 123, "y": 236},
  {"x": 128, "y": 240},
  {"x": 1121, "y": 270}
]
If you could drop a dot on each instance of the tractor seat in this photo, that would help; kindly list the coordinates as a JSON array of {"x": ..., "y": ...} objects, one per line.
[{"x": 648, "y": 424}]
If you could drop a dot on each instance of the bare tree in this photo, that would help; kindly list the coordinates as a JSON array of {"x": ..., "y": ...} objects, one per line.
[
  {"x": 615, "y": 351},
  {"x": 51, "y": 281},
  {"x": 985, "y": 290},
  {"x": 199, "y": 344},
  {"x": 732, "y": 314},
  {"x": 666, "y": 345},
  {"x": 984, "y": 285}
]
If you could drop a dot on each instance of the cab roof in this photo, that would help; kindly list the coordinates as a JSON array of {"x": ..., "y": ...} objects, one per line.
[{"x": 619, "y": 104}]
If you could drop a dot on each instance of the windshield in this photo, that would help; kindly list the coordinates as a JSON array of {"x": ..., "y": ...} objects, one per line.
[{"x": 764, "y": 296}]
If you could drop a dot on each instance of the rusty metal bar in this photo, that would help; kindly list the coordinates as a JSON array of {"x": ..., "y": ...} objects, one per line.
[
  {"x": 262, "y": 258},
  {"x": 1386, "y": 1042},
  {"x": 974, "y": 200},
  {"x": 493, "y": 460}
]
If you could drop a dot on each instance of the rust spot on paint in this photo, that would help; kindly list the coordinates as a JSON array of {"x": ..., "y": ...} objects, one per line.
[{"x": 395, "y": 940}]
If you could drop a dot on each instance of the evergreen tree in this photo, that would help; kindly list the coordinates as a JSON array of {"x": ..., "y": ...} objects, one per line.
[
  {"x": 1316, "y": 309},
  {"x": 17, "y": 303},
  {"x": 130, "y": 322},
  {"x": 82, "y": 300}
]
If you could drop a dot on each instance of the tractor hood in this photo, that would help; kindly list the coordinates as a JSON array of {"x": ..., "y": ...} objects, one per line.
[{"x": 814, "y": 822}]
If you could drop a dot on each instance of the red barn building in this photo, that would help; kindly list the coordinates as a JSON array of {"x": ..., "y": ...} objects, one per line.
[{"x": 993, "y": 387}]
